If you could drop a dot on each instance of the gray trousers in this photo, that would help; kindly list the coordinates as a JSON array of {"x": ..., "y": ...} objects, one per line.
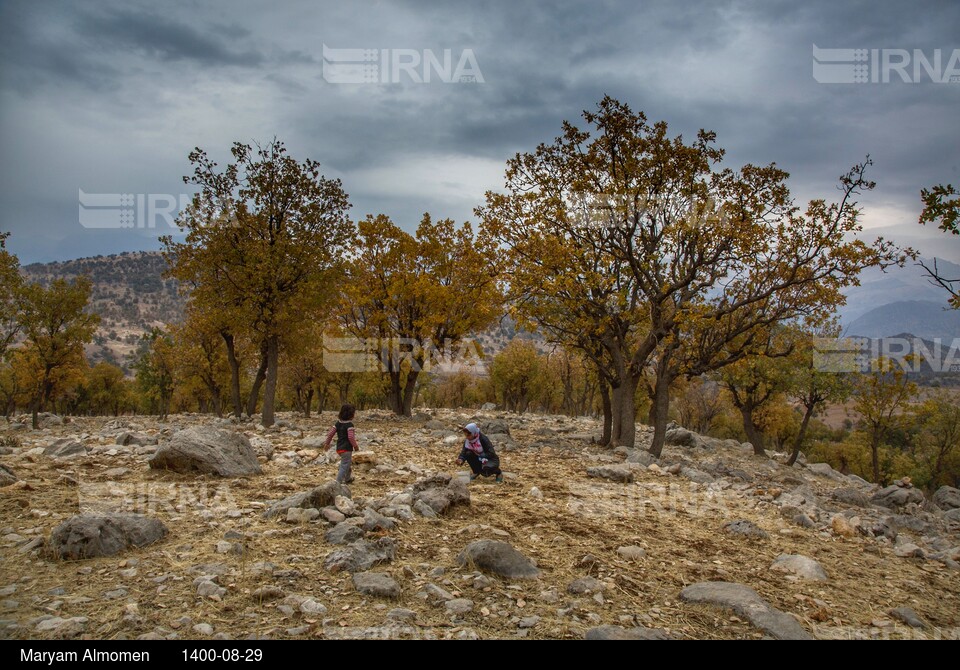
[{"x": 345, "y": 473}]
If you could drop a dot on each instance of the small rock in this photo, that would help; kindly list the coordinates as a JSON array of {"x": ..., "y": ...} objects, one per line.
[
  {"x": 745, "y": 529},
  {"x": 209, "y": 589},
  {"x": 616, "y": 473},
  {"x": 268, "y": 592},
  {"x": 498, "y": 558},
  {"x": 344, "y": 533},
  {"x": 620, "y": 633},
  {"x": 842, "y": 527},
  {"x": 345, "y": 506},
  {"x": 203, "y": 629},
  {"x": 459, "y": 606},
  {"x": 632, "y": 553},
  {"x": 536, "y": 494},
  {"x": 377, "y": 584},
  {"x": 437, "y": 593},
  {"x": 585, "y": 586},
  {"x": 908, "y": 550},
  {"x": 401, "y": 614},
  {"x": 311, "y": 607},
  {"x": 801, "y": 566},
  {"x": 302, "y": 515},
  {"x": 361, "y": 555},
  {"x": 333, "y": 515},
  {"x": 908, "y": 616}
]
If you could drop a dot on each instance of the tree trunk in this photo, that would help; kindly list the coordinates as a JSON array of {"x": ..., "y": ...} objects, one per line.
[
  {"x": 660, "y": 412},
  {"x": 396, "y": 394},
  {"x": 875, "y": 457},
  {"x": 270, "y": 387},
  {"x": 615, "y": 403},
  {"x": 802, "y": 434},
  {"x": 754, "y": 436},
  {"x": 409, "y": 390},
  {"x": 35, "y": 410},
  {"x": 309, "y": 403},
  {"x": 257, "y": 382},
  {"x": 234, "y": 374},
  {"x": 628, "y": 411},
  {"x": 607, "y": 414}
]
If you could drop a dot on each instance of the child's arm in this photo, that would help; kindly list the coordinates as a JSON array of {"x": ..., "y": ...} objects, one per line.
[
  {"x": 352, "y": 436},
  {"x": 330, "y": 434}
]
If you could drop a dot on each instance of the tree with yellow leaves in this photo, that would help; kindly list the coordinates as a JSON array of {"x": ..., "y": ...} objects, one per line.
[
  {"x": 267, "y": 237},
  {"x": 660, "y": 257},
  {"x": 880, "y": 397},
  {"x": 413, "y": 300},
  {"x": 10, "y": 284},
  {"x": 56, "y": 325}
]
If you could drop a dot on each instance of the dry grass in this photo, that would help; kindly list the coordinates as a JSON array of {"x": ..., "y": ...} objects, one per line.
[{"x": 576, "y": 517}]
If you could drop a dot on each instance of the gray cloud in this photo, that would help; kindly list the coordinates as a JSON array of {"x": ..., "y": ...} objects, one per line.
[{"x": 112, "y": 99}]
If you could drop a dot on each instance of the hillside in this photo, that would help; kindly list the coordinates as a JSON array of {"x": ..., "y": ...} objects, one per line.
[
  {"x": 131, "y": 296},
  {"x": 129, "y": 293},
  {"x": 908, "y": 284},
  {"x": 922, "y": 318},
  {"x": 622, "y": 545}
]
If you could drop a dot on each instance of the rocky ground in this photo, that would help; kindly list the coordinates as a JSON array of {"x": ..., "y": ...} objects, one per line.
[{"x": 252, "y": 538}]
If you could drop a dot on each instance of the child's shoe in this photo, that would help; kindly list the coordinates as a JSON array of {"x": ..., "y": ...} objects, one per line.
[
  {"x": 473, "y": 476},
  {"x": 499, "y": 479}
]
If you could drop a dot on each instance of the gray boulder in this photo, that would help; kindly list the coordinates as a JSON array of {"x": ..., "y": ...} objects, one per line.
[
  {"x": 316, "y": 498},
  {"x": 641, "y": 456},
  {"x": 65, "y": 447},
  {"x": 947, "y": 498},
  {"x": 374, "y": 521},
  {"x": 88, "y": 536},
  {"x": 361, "y": 555},
  {"x": 895, "y": 497},
  {"x": 620, "y": 633},
  {"x": 207, "y": 451},
  {"x": 132, "y": 439},
  {"x": 681, "y": 437},
  {"x": 747, "y": 603},
  {"x": 849, "y": 495},
  {"x": 494, "y": 427},
  {"x": 824, "y": 470},
  {"x": 440, "y": 493},
  {"x": 498, "y": 558},
  {"x": 344, "y": 533},
  {"x": 376, "y": 584}
]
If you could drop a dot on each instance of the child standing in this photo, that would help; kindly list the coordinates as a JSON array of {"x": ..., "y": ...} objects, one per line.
[
  {"x": 346, "y": 442},
  {"x": 479, "y": 453}
]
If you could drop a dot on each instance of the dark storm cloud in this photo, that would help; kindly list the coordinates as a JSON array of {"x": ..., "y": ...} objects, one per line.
[
  {"x": 111, "y": 97},
  {"x": 162, "y": 37}
]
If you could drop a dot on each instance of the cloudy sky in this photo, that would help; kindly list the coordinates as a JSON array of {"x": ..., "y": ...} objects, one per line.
[{"x": 110, "y": 97}]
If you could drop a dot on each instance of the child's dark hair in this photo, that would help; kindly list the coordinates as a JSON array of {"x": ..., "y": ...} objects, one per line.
[{"x": 347, "y": 412}]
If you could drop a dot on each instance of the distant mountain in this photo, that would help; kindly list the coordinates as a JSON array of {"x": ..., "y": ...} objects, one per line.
[
  {"x": 129, "y": 293},
  {"x": 921, "y": 318},
  {"x": 908, "y": 284}
]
